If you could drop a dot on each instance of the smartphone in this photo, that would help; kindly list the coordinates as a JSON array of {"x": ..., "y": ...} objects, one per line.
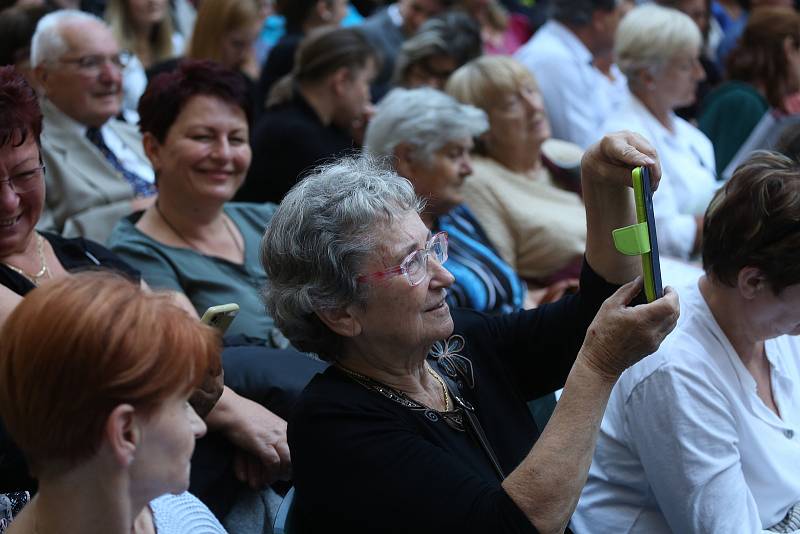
[
  {"x": 651, "y": 266},
  {"x": 221, "y": 316}
]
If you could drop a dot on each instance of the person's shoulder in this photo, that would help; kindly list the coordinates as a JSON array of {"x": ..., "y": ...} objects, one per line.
[
  {"x": 125, "y": 234},
  {"x": 377, "y": 21},
  {"x": 332, "y": 399},
  {"x": 734, "y": 93},
  {"x": 284, "y": 121},
  {"x": 696, "y": 137},
  {"x": 684, "y": 357},
  {"x": 544, "y": 48},
  {"x": 257, "y": 213},
  {"x": 183, "y": 513}
]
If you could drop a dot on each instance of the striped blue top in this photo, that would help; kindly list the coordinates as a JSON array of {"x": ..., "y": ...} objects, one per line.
[{"x": 484, "y": 282}]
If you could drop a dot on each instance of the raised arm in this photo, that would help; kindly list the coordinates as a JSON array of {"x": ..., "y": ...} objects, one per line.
[
  {"x": 547, "y": 484},
  {"x": 606, "y": 179}
]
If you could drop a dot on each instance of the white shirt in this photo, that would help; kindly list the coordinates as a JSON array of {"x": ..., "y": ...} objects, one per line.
[
  {"x": 688, "y": 179},
  {"x": 134, "y": 80},
  {"x": 686, "y": 444},
  {"x": 577, "y": 96},
  {"x": 129, "y": 158}
]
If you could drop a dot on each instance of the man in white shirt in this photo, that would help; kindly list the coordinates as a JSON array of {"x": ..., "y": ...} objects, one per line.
[
  {"x": 96, "y": 172},
  {"x": 561, "y": 56}
]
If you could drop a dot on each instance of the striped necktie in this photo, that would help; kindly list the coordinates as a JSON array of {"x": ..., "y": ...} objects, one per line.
[{"x": 141, "y": 187}]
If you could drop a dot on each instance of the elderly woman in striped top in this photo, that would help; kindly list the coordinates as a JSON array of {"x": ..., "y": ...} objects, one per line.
[{"x": 431, "y": 148}]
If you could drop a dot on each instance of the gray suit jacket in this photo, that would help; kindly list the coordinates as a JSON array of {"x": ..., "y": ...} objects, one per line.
[
  {"x": 85, "y": 195},
  {"x": 387, "y": 38}
]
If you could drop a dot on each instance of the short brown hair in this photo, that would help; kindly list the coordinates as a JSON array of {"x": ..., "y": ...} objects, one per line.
[
  {"x": 759, "y": 56},
  {"x": 754, "y": 221},
  {"x": 77, "y": 347}
]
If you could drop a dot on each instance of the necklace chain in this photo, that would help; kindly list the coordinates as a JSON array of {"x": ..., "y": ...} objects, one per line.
[
  {"x": 44, "y": 271},
  {"x": 192, "y": 245},
  {"x": 445, "y": 393}
]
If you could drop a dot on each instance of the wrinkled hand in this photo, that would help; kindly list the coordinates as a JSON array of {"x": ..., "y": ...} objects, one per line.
[
  {"x": 260, "y": 435},
  {"x": 620, "y": 336},
  {"x": 612, "y": 158}
]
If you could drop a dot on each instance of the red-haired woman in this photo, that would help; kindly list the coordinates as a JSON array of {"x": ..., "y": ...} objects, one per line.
[
  {"x": 29, "y": 258},
  {"x": 109, "y": 430}
]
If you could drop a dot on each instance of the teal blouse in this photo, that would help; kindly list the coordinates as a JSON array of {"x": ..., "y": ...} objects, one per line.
[{"x": 206, "y": 280}]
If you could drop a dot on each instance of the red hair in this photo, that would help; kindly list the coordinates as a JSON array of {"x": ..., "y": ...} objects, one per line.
[
  {"x": 20, "y": 115},
  {"x": 77, "y": 347}
]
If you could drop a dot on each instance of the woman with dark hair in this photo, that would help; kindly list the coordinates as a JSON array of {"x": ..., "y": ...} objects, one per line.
[
  {"x": 194, "y": 123},
  {"x": 95, "y": 378},
  {"x": 441, "y": 45},
  {"x": 762, "y": 71},
  {"x": 701, "y": 437},
  {"x": 313, "y": 114},
  {"x": 302, "y": 17}
]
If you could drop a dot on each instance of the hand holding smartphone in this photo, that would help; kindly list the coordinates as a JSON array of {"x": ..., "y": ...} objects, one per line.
[{"x": 651, "y": 266}]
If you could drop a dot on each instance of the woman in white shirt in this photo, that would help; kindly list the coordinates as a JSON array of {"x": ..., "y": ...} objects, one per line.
[
  {"x": 704, "y": 435},
  {"x": 658, "y": 49}
]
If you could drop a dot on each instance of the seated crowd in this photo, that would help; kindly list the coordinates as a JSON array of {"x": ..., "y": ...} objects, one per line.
[{"x": 411, "y": 203}]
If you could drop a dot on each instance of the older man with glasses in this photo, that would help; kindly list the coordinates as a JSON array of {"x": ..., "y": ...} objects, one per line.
[{"x": 97, "y": 171}]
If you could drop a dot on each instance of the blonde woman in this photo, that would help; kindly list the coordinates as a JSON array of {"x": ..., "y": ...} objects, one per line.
[
  {"x": 144, "y": 28},
  {"x": 225, "y": 32}
]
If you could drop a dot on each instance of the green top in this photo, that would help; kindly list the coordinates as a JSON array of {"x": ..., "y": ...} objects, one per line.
[
  {"x": 206, "y": 280},
  {"x": 730, "y": 112}
]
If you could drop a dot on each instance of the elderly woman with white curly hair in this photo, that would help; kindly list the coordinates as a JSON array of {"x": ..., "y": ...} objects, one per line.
[
  {"x": 420, "y": 424},
  {"x": 658, "y": 49},
  {"x": 431, "y": 148}
]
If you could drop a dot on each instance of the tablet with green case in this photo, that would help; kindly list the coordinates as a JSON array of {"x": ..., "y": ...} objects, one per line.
[{"x": 651, "y": 266}]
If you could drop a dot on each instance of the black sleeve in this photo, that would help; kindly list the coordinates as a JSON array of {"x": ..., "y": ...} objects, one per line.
[
  {"x": 376, "y": 474},
  {"x": 100, "y": 256},
  {"x": 539, "y": 346}
]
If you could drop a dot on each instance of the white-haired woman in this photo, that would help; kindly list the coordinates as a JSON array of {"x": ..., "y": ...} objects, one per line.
[
  {"x": 431, "y": 147},
  {"x": 658, "y": 49},
  {"x": 414, "y": 429}
]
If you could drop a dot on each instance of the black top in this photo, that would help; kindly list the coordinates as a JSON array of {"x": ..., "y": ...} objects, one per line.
[
  {"x": 289, "y": 139},
  {"x": 365, "y": 463},
  {"x": 75, "y": 254},
  {"x": 278, "y": 64}
]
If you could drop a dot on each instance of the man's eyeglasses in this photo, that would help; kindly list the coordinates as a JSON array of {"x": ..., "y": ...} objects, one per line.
[
  {"x": 93, "y": 64},
  {"x": 415, "y": 266},
  {"x": 25, "y": 181}
]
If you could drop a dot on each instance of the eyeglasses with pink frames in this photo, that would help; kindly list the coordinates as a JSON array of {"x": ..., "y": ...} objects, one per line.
[{"x": 415, "y": 265}]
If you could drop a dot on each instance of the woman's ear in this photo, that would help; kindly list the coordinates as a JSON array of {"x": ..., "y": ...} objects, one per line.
[
  {"x": 751, "y": 281},
  {"x": 342, "y": 321},
  {"x": 122, "y": 434},
  {"x": 404, "y": 160},
  {"x": 152, "y": 149}
]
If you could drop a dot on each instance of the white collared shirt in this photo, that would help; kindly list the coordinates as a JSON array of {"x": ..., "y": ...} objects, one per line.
[
  {"x": 688, "y": 173},
  {"x": 686, "y": 444},
  {"x": 577, "y": 96},
  {"x": 129, "y": 158}
]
